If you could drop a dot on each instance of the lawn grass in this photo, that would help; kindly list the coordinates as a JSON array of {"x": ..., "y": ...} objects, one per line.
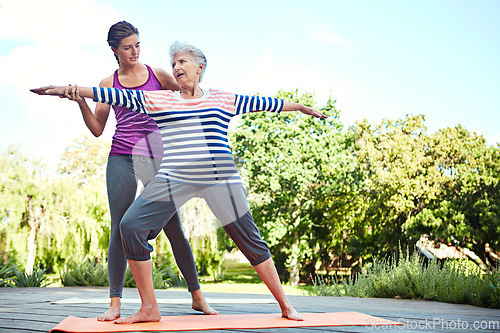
[
  {"x": 242, "y": 278},
  {"x": 239, "y": 272},
  {"x": 251, "y": 288}
]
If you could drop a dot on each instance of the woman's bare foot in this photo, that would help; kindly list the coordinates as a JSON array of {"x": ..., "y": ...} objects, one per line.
[
  {"x": 109, "y": 315},
  {"x": 113, "y": 312},
  {"x": 204, "y": 307},
  {"x": 200, "y": 303},
  {"x": 268, "y": 274},
  {"x": 145, "y": 314},
  {"x": 291, "y": 314}
]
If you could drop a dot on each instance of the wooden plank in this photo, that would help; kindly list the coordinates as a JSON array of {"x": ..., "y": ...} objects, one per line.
[
  {"x": 12, "y": 325},
  {"x": 30, "y": 310}
]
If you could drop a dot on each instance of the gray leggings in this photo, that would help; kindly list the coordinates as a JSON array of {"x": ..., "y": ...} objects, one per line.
[
  {"x": 159, "y": 201},
  {"x": 122, "y": 175}
]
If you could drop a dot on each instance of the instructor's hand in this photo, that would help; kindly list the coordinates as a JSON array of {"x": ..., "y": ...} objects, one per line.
[{"x": 73, "y": 93}]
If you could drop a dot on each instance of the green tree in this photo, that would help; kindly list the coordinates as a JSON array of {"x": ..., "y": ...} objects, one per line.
[
  {"x": 444, "y": 185},
  {"x": 85, "y": 159},
  {"x": 83, "y": 166},
  {"x": 467, "y": 213},
  {"x": 48, "y": 219},
  {"x": 400, "y": 178},
  {"x": 27, "y": 209},
  {"x": 299, "y": 175}
]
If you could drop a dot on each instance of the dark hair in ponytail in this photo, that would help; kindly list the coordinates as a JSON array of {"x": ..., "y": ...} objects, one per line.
[{"x": 118, "y": 31}]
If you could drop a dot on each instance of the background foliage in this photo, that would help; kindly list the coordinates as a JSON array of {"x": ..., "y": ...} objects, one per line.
[{"x": 323, "y": 196}]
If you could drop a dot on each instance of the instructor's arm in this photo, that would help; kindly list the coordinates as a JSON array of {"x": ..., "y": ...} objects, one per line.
[{"x": 95, "y": 121}]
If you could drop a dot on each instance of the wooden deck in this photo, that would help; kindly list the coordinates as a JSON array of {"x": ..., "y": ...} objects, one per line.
[{"x": 35, "y": 310}]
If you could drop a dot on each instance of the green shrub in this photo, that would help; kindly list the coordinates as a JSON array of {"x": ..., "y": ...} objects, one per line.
[
  {"x": 94, "y": 272},
  {"x": 129, "y": 281},
  {"x": 37, "y": 278},
  {"x": 6, "y": 271},
  {"x": 86, "y": 272},
  {"x": 11, "y": 276},
  {"x": 170, "y": 277},
  {"x": 163, "y": 277},
  {"x": 460, "y": 282},
  {"x": 321, "y": 288},
  {"x": 494, "y": 284}
]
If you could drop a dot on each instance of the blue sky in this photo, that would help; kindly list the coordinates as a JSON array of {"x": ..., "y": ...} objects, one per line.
[{"x": 378, "y": 59}]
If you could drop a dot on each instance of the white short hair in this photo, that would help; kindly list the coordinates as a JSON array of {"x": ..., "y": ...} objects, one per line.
[{"x": 197, "y": 56}]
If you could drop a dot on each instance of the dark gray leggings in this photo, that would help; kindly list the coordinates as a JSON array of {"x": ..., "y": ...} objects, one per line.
[
  {"x": 149, "y": 213},
  {"x": 122, "y": 175}
]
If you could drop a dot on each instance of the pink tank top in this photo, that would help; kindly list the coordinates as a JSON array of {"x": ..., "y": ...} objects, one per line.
[{"x": 136, "y": 133}]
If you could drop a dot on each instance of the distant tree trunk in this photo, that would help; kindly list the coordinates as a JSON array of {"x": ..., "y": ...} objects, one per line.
[
  {"x": 34, "y": 224},
  {"x": 294, "y": 267}
]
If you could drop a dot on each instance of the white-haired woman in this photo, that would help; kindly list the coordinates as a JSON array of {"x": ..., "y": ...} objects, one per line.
[{"x": 197, "y": 162}]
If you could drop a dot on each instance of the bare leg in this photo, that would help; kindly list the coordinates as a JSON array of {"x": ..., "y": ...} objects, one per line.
[
  {"x": 268, "y": 274},
  {"x": 113, "y": 312},
  {"x": 200, "y": 303},
  {"x": 149, "y": 311}
]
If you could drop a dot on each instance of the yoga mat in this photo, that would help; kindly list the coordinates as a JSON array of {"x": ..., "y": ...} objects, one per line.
[{"x": 237, "y": 321}]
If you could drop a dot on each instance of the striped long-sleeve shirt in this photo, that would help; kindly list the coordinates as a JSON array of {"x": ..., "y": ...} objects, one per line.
[{"x": 194, "y": 131}]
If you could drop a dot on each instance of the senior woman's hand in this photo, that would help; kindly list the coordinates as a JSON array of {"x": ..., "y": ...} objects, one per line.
[
  {"x": 312, "y": 112},
  {"x": 289, "y": 106}
]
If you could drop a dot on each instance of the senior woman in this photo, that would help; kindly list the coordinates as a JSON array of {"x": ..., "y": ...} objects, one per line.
[{"x": 197, "y": 162}]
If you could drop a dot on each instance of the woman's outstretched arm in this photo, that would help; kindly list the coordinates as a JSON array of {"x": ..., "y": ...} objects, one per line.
[{"x": 244, "y": 104}]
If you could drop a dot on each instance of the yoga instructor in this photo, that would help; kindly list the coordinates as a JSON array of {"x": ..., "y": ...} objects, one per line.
[
  {"x": 197, "y": 162},
  {"x": 135, "y": 155}
]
